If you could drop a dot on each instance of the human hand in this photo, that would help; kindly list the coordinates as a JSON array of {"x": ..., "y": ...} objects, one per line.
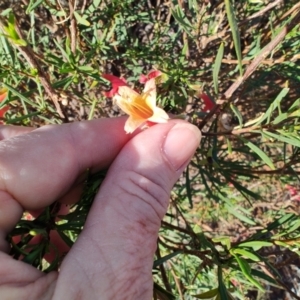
[{"x": 113, "y": 256}]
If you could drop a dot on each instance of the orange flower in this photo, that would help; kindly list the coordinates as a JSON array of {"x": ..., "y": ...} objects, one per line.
[
  {"x": 116, "y": 82},
  {"x": 140, "y": 107},
  {"x": 208, "y": 103},
  {"x": 3, "y": 110},
  {"x": 150, "y": 75},
  {"x": 3, "y": 94}
]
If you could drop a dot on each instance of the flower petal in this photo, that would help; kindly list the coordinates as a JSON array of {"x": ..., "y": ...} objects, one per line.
[
  {"x": 159, "y": 116},
  {"x": 3, "y": 94},
  {"x": 3, "y": 110},
  {"x": 132, "y": 124},
  {"x": 150, "y": 75},
  {"x": 208, "y": 103},
  {"x": 149, "y": 93},
  {"x": 131, "y": 102},
  {"x": 116, "y": 82},
  {"x": 154, "y": 74},
  {"x": 111, "y": 93},
  {"x": 143, "y": 78}
]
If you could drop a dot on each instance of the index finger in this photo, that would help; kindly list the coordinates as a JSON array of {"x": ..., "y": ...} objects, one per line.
[{"x": 38, "y": 167}]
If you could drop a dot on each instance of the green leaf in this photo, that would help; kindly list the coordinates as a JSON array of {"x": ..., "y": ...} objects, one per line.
[
  {"x": 241, "y": 217},
  {"x": 224, "y": 240},
  {"x": 246, "y": 254},
  {"x": 95, "y": 4},
  {"x": 11, "y": 33},
  {"x": 282, "y": 244},
  {"x": 229, "y": 146},
  {"x": 162, "y": 260},
  {"x": 188, "y": 186},
  {"x": 38, "y": 231},
  {"x": 20, "y": 42},
  {"x": 34, "y": 255},
  {"x": 237, "y": 113},
  {"x": 81, "y": 20},
  {"x": 284, "y": 219},
  {"x": 65, "y": 238},
  {"x": 280, "y": 118},
  {"x": 11, "y": 26},
  {"x": 256, "y": 245},
  {"x": 182, "y": 20},
  {"x": 263, "y": 276},
  {"x": 295, "y": 105},
  {"x": 92, "y": 109},
  {"x": 15, "y": 92},
  {"x": 6, "y": 12},
  {"x": 207, "y": 295},
  {"x": 87, "y": 69},
  {"x": 221, "y": 288},
  {"x": 259, "y": 152},
  {"x": 275, "y": 104},
  {"x": 282, "y": 136},
  {"x": 243, "y": 190},
  {"x": 162, "y": 293},
  {"x": 235, "y": 33},
  {"x": 246, "y": 269},
  {"x": 289, "y": 230},
  {"x": 32, "y": 5},
  {"x": 217, "y": 67},
  {"x": 55, "y": 262}
]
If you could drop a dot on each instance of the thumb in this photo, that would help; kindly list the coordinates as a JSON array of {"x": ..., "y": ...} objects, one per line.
[
  {"x": 122, "y": 226},
  {"x": 140, "y": 180}
]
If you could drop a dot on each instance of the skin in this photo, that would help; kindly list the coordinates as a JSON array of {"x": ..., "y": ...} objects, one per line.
[{"x": 113, "y": 256}]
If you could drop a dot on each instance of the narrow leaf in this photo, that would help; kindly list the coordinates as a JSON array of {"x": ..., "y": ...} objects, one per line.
[
  {"x": 246, "y": 254},
  {"x": 160, "y": 261},
  {"x": 81, "y": 20},
  {"x": 284, "y": 219},
  {"x": 256, "y": 244},
  {"x": 207, "y": 295},
  {"x": 246, "y": 269},
  {"x": 280, "y": 137},
  {"x": 237, "y": 113},
  {"x": 32, "y": 5},
  {"x": 15, "y": 92},
  {"x": 217, "y": 67},
  {"x": 182, "y": 20},
  {"x": 65, "y": 238},
  {"x": 188, "y": 186},
  {"x": 263, "y": 276},
  {"x": 241, "y": 217},
  {"x": 275, "y": 104},
  {"x": 235, "y": 33},
  {"x": 259, "y": 152},
  {"x": 162, "y": 293},
  {"x": 222, "y": 289}
]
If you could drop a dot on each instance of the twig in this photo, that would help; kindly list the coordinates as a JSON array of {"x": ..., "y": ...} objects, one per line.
[
  {"x": 263, "y": 54},
  {"x": 30, "y": 56},
  {"x": 269, "y": 62},
  {"x": 73, "y": 28},
  {"x": 225, "y": 31},
  {"x": 271, "y": 172},
  {"x": 208, "y": 116},
  {"x": 262, "y": 11},
  {"x": 163, "y": 272},
  {"x": 289, "y": 12},
  {"x": 83, "y": 6},
  {"x": 279, "y": 282},
  {"x": 177, "y": 281}
]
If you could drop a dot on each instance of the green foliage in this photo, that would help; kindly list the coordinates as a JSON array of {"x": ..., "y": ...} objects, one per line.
[{"x": 236, "y": 205}]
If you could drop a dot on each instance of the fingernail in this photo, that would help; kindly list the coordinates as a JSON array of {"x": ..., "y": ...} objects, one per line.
[{"x": 180, "y": 144}]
